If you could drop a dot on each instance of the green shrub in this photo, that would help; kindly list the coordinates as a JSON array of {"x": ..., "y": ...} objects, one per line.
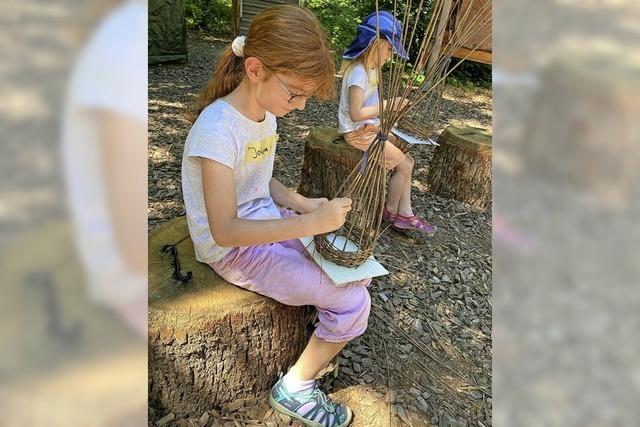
[
  {"x": 340, "y": 18},
  {"x": 212, "y": 16},
  {"x": 470, "y": 74}
]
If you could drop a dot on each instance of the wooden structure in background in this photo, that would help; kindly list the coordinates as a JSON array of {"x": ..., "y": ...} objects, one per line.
[
  {"x": 243, "y": 12},
  {"x": 167, "y": 31},
  {"x": 479, "y": 41}
]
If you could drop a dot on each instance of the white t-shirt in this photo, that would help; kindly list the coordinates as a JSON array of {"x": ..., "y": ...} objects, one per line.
[
  {"x": 110, "y": 74},
  {"x": 368, "y": 81},
  {"x": 223, "y": 134}
]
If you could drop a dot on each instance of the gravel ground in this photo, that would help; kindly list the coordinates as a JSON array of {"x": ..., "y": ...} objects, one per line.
[{"x": 426, "y": 356}]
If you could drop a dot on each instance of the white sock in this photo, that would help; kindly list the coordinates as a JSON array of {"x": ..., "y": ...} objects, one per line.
[{"x": 293, "y": 384}]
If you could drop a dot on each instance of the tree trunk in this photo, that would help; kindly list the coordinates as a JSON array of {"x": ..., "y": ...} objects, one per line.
[
  {"x": 328, "y": 160},
  {"x": 211, "y": 342},
  {"x": 583, "y": 131},
  {"x": 461, "y": 166}
]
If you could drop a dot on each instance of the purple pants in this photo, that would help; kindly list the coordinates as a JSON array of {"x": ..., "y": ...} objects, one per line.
[{"x": 285, "y": 272}]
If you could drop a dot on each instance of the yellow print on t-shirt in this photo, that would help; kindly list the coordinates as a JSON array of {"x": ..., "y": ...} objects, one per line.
[
  {"x": 373, "y": 79},
  {"x": 260, "y": 150}
]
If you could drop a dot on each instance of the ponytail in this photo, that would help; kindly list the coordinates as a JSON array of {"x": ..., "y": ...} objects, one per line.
[
  {"x": 227, "y": 76},
  {"x": 285, "y": 38}
]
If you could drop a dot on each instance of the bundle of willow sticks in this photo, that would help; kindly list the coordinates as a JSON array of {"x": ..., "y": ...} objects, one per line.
[{"x": 450, "y": 26}]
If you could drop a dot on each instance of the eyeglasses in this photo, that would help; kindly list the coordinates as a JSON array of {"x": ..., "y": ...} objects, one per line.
[{"x": 293, "y": 97}]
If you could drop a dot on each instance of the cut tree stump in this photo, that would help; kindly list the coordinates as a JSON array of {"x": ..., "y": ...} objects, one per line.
[
  {"x": 77, "y": 356},
  {"x": 210, "y": 342},
  {"x": 461, "y": 166},
  {"x": 328, "y": 161},
  {"x": 583, "y": 129}
]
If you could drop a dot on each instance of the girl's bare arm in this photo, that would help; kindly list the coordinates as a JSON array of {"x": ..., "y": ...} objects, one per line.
[
  {"x": 288, "y": 198},
  {"x": 358, "y": 112},
  {"x": 227, "y": 229}
]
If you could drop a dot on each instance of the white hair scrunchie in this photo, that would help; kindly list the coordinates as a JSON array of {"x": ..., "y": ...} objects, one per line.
[{"x": 238, "y": 45}]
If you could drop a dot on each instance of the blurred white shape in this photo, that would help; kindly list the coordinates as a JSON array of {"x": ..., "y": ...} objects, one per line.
[
  {"x": 108, "y": 97},
  {"x": 66, "y": 360}
]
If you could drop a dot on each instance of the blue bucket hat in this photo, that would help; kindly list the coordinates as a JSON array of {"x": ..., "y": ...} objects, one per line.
[{"x": 390, "y": 28}]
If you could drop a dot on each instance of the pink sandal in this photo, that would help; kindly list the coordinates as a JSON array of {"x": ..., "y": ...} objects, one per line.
[
  {"x": 387, "y": 216},
  {"x": 413, "y": 223}
]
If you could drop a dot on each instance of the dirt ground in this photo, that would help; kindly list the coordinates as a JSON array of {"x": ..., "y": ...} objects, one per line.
[{"x": 426, "y": 356}]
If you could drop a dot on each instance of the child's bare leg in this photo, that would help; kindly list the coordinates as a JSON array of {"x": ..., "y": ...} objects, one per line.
[
  {"x": 404, "y": 206},
  {"x": 394, "y": 192},
  {"x": 398, "y": 185},
  {"x": 316, "y": 355},
  {"x": 406, "y": 220}
]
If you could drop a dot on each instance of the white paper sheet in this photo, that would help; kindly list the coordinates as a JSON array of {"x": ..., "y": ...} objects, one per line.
[
  {"x": 341, "y": 275},
  {"x": 413, "y": 140}
]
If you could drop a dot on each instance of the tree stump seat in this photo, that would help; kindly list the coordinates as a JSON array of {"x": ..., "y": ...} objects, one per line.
[
  {"x": 211, "y": 342},
  {"x": 461, "y": 166},
  {"x": 328, "y": 161}
]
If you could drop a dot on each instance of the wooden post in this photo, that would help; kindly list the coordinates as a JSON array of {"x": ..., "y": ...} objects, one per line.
[
  {"x": 235, "y": 17},
  {"x": 211, "y": 342},
  {"x": 439, "y": 37}
]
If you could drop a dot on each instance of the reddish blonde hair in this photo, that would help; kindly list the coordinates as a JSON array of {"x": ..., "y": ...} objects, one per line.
[{"x": 285, "y": 38}]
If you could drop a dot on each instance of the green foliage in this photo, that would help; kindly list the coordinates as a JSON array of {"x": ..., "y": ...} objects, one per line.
[
  {"x": 212, "y": 16},
  {"x": 414, "y": 78},
  {"x": 469, "y": 75},
  {"x": 340, "y": 19}
]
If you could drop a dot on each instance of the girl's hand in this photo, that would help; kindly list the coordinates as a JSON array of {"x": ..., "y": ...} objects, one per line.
[
  {"x": 398, "y": 103},
  {"x": 306, "y": 205},
  {"x": 330, "y": 215},
  {"x": 302, "y": 204}
]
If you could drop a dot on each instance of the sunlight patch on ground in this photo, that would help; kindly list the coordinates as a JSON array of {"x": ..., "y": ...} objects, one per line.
[
  {"x": 467, "y": 122},
  {"x": 22, "y": 103},
  {"x": 162, "y": 103},
  {"x": 373, "y": 409},
  {"x": 422, "y": 187}
]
